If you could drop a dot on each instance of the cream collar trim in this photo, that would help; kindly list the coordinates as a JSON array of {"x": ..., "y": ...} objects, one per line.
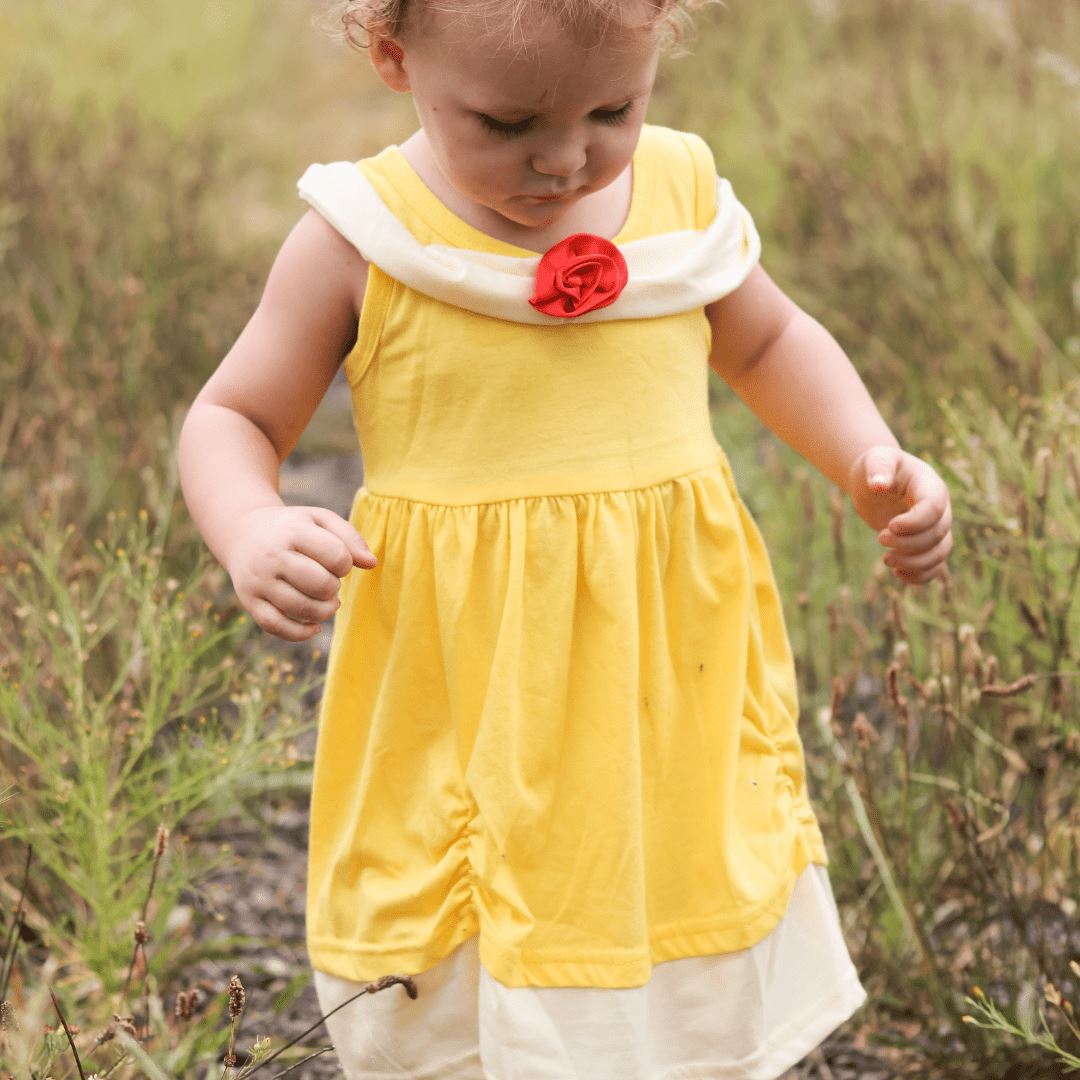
[{"x": 668, "y": 272}]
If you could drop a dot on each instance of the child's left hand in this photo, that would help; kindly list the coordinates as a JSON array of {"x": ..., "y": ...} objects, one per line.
[{"x": 910, "y": 507}]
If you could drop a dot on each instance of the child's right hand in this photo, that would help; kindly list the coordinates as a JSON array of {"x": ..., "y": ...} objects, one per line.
[{"x": 287, "y": 562}]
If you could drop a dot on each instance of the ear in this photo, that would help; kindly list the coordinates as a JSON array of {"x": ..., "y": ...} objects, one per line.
[{"x": 387, "y": 57}]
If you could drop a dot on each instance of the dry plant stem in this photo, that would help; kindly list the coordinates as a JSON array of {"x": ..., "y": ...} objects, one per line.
[
  {"x": 1034, "y": 543},
  {"x": 371, "y": 988},
  {"x": 140, "y": 929},
  {"x": 7, "y": 422},
  {"x": 906, "y": 750},
  {"x": 12, "y": 942},
  {"x": 146, "y": 992},
  {"x": 67, "y": 1032},
  {"x": 958, "y": 712},
  {"x": 1060, "y": 640},
  {"x": 302, "y": 1061},
  {"x": 904, "y": 747}
]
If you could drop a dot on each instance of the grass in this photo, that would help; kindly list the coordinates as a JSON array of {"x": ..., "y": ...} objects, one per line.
[{"x": 910, "y": 167}]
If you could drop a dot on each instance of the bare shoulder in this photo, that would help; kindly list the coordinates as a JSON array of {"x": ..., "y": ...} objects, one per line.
[
  {"x": 746, "y": 321},
  {"x": 314, "y": 251}
]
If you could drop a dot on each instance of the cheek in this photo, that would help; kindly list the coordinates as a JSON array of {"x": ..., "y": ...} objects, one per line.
[
  {"x": 466, "y": 157},
  {"x": 473, "y": 171},
  {"x": 486, "y": 167}
]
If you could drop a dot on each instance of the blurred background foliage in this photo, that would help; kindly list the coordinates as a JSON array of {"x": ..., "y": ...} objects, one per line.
[{"x": 912, "y": 168}]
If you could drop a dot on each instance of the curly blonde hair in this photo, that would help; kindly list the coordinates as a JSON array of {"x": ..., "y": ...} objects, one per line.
[{"x": 590, "y": 21}]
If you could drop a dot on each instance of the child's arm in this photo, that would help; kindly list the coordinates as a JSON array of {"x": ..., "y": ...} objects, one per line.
[
  {"x": 794, "y": 376},
  {"x": 286, "y": 562},
  {"x": 800, "y": 383}
]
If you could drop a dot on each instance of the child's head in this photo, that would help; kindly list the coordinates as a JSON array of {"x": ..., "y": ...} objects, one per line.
[{"x": 520, "y": 98}]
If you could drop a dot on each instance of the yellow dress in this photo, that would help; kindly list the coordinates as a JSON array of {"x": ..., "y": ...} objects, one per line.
[{"x": 561, "y": 712}]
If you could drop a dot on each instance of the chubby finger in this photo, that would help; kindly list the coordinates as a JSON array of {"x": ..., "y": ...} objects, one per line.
[
  {"x": 356, "y": 547},
  {"x": 923, "y": 560},
  {"x": 930, "y": 504},
  {"x": 274, "y": 621},
  {"x": 307, "y": 575},
  {"x": 918, "y": 577},
  {"x": 912, "y": 541},
  {"x": 298, "y": 604}
]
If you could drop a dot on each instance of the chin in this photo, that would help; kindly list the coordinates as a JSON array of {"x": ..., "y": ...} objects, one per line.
[{"x": 527, "y": 222}]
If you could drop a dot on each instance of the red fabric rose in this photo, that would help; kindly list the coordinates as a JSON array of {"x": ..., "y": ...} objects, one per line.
[{"x": 579, "y": 274}]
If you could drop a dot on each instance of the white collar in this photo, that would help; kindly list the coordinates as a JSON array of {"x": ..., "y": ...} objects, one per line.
[{"x": 668, "y": 272}]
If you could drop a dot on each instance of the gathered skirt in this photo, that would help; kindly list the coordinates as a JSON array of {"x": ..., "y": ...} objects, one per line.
[
  {"x": 750, "y": 1014},
  {"x": 568, "y": 723}
]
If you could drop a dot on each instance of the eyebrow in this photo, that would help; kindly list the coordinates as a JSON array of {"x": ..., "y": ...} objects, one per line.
[{"x": 531, "y": 111}]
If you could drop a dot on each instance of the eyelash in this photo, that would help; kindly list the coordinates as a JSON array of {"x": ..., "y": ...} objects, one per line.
[{"x": 508, "y": 131}]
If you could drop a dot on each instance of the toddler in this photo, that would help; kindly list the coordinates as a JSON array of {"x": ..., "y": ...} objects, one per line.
[{"x": 558, "y": 778}]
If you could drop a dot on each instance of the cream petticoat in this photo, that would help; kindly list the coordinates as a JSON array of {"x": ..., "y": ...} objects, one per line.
[{"x": 749, "y": 1014}]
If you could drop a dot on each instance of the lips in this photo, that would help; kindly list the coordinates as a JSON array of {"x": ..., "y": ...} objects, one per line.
[{"x": 551, "y": 198}]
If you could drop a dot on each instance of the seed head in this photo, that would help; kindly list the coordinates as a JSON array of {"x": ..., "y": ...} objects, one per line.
[{"x": 236, "y": 997}]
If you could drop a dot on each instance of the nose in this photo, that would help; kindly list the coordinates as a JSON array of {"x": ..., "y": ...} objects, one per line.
[{"x": 561, "y": 158}]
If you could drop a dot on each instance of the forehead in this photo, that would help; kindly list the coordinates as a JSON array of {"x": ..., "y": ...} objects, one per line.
[{"x": 543, "y": 63}]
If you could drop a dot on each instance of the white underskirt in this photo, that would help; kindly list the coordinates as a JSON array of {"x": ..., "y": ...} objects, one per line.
[{"x": 750, "y": 1014}]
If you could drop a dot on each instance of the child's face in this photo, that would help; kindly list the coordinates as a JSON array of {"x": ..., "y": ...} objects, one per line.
[{"x": 564, "y": 106}]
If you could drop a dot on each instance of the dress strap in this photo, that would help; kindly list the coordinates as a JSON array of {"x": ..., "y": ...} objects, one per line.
[{"x": 668, "y": 272}]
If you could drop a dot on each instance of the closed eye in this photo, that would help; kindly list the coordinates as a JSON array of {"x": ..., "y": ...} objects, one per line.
[{"x": 508, "y": 131}]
